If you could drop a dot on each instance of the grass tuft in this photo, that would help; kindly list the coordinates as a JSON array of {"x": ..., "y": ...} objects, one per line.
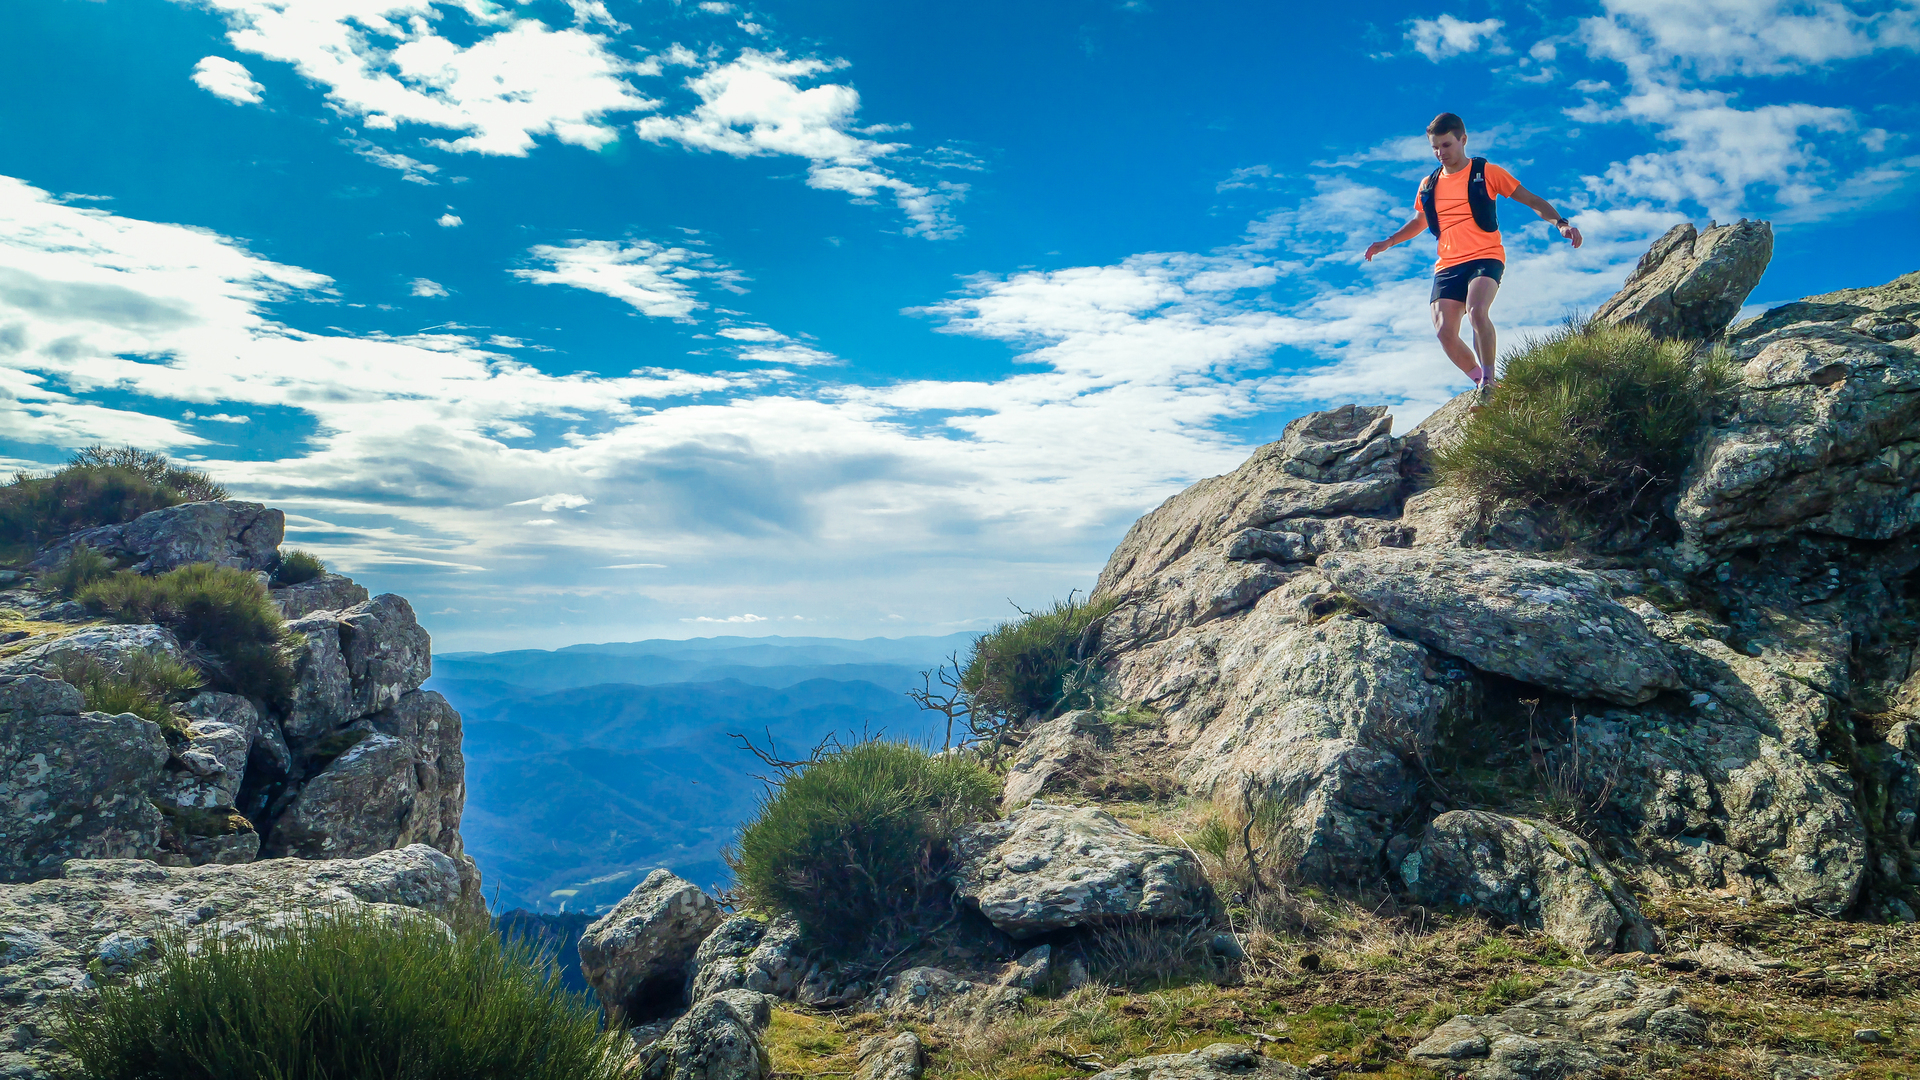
[
  {"x": 1595, "y": 421},
  {"x": 297, "y": 566},
  {"x": 1042, "y": 664},
  {"x": 854, "y": 844},
  {"x": 341, "y": 996},
  {"x": 145, "y": 684},
  {"x": 222, "y": 608},
  {"x": 82, "y": 567}
]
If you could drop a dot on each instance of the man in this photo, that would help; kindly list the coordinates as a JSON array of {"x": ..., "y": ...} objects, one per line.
[{"x": 1455, "y": 203}]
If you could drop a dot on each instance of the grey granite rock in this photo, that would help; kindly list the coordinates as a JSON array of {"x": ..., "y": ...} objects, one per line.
[
  {"x": 387, "y": 652},
  {"x": 1537, "y": 621},
  {"x": 73, "y": 784},
  {"x": 328, "y": 592},
  {"x": 717, "y": 1039},
  {"x": 1690, "y": 284},
  {"x": 229, "y": 533},
  {"x": 1051, "y": 751},
  {"x": 747, "y": 954},
  {"x": 110, "y": 646},
  {"x": 1219, "y": 1061},
  {"x": 893, "y": 1056},
  {"x": 1585, "y": 1023},
  {"x": 637, "y": 957},
  {"x": 1529, "y": 874},
  {"x": 1049, "y": 867},
  {"x": 110, "y": 913}
]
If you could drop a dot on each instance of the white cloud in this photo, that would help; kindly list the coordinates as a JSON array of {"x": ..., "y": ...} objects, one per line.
[
  {"x": 449, "y": 221},
  {"x": 654, "y": 279},
  {"x": 218, "y": 418},
  {"x": 386, "y": 61},
  {"x": 634, "y": 566},
  {"x": 541, "y": 521},
  {"x": 728, "y": 619},
  {"x": 1446, "y": 36},
  {"x": 1717, "y": 38},
  {"x": 754, "y": 106},
  {"x": 751, "y": 333},
  {"x": 549, "y": 503},
  {"x": 229, "y": 79},
  {"x": 426, "y": 287}
]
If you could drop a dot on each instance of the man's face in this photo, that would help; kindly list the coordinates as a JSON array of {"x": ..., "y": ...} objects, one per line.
[{"x": 1448, "y": 149}]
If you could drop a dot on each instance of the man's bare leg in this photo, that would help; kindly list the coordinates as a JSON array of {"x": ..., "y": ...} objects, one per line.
[
  {"x": 1446, "y": 327},
  {"x": 1480, "y": 294}
]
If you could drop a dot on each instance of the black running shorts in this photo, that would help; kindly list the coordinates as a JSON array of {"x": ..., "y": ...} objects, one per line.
[{"x": 1451, "y": 283}]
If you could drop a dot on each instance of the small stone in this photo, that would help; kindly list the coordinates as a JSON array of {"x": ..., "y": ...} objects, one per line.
[
  {"x": 1227, "y": 945},
  {"x": 1868, "y": 1035},
  {"x": 1310, "y": 962}
]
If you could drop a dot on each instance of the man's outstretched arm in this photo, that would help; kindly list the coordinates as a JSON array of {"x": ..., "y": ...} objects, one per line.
[
  {"x": 1407, "y": 232},
  {"x": 1546, "y": 211}
]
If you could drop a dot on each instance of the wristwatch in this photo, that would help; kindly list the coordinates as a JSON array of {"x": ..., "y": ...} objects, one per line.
[{"x": 1560, "y": 223}]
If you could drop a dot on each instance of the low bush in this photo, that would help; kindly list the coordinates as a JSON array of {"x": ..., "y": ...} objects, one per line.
[
  {"x": 219, "y": 607},
  {"x": 297, "y": 566},
  {"x": 82, "y": 567},
  {"x": 145, "y": 684},
  {"x": 341, "y": 996},
  {"x": 854, "y": 844},
  {"x": 1042, "y": 664},
  {"x": 1595, "y": 421},
  {"x": 98, "y": 486}
]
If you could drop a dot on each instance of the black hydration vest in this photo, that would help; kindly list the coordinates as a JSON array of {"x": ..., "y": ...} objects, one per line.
[{"x": 1478, "y": 200}]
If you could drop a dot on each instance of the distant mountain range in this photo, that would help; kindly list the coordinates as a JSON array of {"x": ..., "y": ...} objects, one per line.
[{"x": 591, "y": 765}]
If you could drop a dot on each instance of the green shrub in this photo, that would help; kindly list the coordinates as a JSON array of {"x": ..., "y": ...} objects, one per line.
[
  {"x": 190, "y": 484},
  {"x": 297, "y": 566},
  {"x": 1041, "y": 664},
  {"x": 98, "y": 486},
  {"x": 82, "y": 567},
  {"x": 855, "y": 843},
  {"x": 1596, "y": 421},
  {"x": 341, "y": 996},
  {"x": 145, "y": 684},
  {"x": 219, "y": 607}
]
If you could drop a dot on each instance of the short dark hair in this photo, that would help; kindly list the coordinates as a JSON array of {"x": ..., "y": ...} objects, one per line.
[{"x": 1447, "y": 124}]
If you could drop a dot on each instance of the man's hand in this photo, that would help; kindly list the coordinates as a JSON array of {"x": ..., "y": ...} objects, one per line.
[
  {"x": 1570, "y": 233},
  {"x": 1379, "y": 246}
]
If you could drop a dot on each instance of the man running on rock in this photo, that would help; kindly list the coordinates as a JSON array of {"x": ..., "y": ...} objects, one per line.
[{"x": 1455, "y": 204}]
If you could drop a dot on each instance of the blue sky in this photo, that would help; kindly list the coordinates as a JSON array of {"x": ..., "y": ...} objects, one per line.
[{"x": 598, "y": 319}]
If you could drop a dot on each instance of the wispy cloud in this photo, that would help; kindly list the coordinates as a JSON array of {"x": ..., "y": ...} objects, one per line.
[
  {"x": 651, "y": 278},
  {"x": 427, "y": 287},
  {"x": 1443, "y": 37}
]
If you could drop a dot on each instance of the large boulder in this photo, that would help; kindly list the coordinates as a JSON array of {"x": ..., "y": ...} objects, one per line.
[
  {"x": 244, "y": 535},
  {"x": 1541, "y": 622},
  {"x": 1051, "y": 867},
  {"x": 1821, "y": 436},
  {"x": 200, "y": 794},
  {"x": 1585, "y": 1024},
  {"x": 1690, "y": 284},
  {"x": 403, "y": 782},
  {"x": 73, "y": 784},
  {"x": 354, "y": 663},
  {"x": 1220, "y": 1061},
  {"x": 718, "y": 1039},
  {"x": 109, "y": 646},
  {"x": 328, "y": 592},
  {"x": 636, "y": 957},
  {"x": 747, "y": 954},
  {"x": 108, "y": 915},
  {"x": 893, "y": 1056},
  {"x": 1528, "y": 874}
]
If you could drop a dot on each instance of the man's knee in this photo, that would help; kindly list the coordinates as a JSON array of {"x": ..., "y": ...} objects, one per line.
[{"x": 1480, "y": 314}]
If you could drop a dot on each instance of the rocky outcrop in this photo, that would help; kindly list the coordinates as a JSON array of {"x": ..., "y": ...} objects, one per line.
[
  {"x": 1051, "y": 867},
  {"x": 1220, "y": 1061},
  {"x": 637, "y": 956},
  {"x": 1530, "y": 874},
  {"x": 73, "y": 784},
  {"x": 717, "y": 1039},
  {"x": 110, "y": 646},
  {"x": 109, "y": 914},
  {"x": 1821, "y": 436},
  {"x": 227, "y": 533},
  {"x": 1585, "y": 1024},
  {"x": 1313, "y": 627},
  {"x": 1690, "y": 284}
]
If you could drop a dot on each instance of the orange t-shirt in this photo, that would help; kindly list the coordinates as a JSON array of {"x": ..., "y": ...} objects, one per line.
[{"x": 1460, "y": 239}]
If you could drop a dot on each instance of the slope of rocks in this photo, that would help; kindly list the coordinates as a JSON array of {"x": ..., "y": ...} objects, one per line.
[{"x": 114, "y": 831}]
